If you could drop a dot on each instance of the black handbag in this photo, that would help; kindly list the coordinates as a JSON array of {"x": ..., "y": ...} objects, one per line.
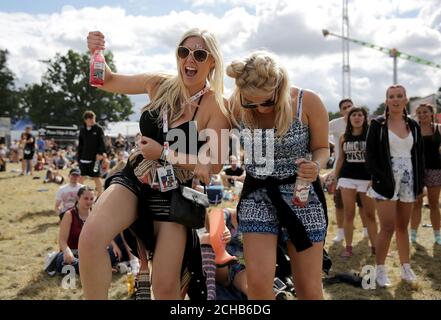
[{"x": 188, "y": 207}]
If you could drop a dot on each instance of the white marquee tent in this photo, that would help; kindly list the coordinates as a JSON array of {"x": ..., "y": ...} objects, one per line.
[{"x": 126, "y": 128}]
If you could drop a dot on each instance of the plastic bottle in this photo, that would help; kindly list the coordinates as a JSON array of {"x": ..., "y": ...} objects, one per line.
[
  {"x": 96, "y": 166},
  {"x": 301, "y": 190},
  {"x": 130, "y": 283},
  {"x": 97, "y": 69}
]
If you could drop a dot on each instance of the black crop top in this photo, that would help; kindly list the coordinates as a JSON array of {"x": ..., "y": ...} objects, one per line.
[{"x": 148, "y": 125}]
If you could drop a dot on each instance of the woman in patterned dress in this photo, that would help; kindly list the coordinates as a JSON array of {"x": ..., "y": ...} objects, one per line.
[{"x": 287, "y": 124}]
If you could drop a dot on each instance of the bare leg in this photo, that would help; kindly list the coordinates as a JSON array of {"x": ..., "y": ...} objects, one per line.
[
  {"x": 348, "y": 197},
  {"x": 340, "y": 217},
  {"x": 415, "y": 219},
  {"x": 98, "y": 186},
  {"x": 260, "y": 259},
  {"x": 363, "y": 218},
  {"x": 31, "y": 168},
  {"x": 369, "y": 213},
  {"x": 386, "y": 213},
  {"x": 167, "y": 260},
  {"x": 114, "y": 211},
  {"x": 433, "y": 196},
  {"x": 307, "y": 270},
  {"x": 23, "y": 166},
  {"x": 402, "y": 217}
]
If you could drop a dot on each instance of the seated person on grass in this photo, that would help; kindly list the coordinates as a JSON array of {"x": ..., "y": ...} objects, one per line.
[
  {"x": 232, "y": 173},
  {"x": 70, "y": 228},
  {"x": 66, "y": 195},
  {"x": 233, "y": 274}
]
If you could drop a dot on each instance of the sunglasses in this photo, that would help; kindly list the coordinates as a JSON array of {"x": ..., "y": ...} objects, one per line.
[
  {"x": 200, "y": 55},
  {"x": 251, "y": 105}
]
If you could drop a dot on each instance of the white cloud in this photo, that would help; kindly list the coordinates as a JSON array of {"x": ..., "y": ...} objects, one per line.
[{"x": 291, "y": 29}]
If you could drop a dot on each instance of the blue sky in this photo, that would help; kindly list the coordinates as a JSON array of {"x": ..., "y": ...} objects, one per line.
[
  {"x": 133, "y": 7},
  {"x": 143, "y": 35}
]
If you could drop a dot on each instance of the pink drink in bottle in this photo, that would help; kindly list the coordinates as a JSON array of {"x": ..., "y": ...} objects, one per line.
[{"x": 97, "y": 69}]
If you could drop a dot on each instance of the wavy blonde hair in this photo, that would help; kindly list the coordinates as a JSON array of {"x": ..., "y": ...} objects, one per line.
[
  {"x": 172, "y": 91},
  {"x": 261, "y": 74}
]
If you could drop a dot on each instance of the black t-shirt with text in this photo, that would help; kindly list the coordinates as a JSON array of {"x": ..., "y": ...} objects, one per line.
[{"x": 29, "y": 145}]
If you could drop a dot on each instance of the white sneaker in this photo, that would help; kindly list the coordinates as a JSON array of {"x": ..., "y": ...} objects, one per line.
[
  {"x": 407, "y": 273},
  {"x": 381, "y": 277},
  {"x": 339, "y": 237}
]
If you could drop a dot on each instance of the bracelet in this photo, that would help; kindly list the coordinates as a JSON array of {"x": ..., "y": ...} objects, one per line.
[
  {"x": 318, "y": 165},
  {"x": 162, "y": 156}
]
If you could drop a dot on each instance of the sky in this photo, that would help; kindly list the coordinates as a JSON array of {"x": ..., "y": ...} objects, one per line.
[{"x": 143, "y": 36}]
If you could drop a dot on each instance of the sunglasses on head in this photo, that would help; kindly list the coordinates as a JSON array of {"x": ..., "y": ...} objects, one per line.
[
  {"x": 251, "y": 105},
  {"x": 200, "y": 55}
]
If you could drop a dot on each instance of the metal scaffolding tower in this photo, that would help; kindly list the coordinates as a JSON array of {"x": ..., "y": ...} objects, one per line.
[{"x": 346, "y": 68}]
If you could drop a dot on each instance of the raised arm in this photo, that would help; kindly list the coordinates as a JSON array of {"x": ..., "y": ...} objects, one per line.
[{"x": 120, "y": 83}]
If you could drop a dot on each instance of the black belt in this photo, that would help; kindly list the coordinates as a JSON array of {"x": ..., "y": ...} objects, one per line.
[{"x": 285, "y": 214}]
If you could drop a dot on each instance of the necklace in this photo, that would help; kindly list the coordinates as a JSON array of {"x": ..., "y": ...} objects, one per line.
[{"x": 81, "y": 218}]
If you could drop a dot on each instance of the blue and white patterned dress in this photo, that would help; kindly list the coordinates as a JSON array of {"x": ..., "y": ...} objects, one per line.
[{"x": 256, "y": 213}]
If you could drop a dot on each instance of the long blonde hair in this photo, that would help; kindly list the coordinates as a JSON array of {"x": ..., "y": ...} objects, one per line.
[
  {"x": 172, "y": 91},
  {"x": 261, "y": 74}
]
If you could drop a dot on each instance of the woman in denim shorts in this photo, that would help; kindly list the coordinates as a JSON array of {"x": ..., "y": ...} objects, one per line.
[{"x": 394, "y": 156}]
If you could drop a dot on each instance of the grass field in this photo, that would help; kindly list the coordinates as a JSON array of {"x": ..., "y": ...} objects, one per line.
[{"x": 29, "y": 230}]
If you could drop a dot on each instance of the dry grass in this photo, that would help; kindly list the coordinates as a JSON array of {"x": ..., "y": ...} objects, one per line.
[{"x": 29, "y": 229}]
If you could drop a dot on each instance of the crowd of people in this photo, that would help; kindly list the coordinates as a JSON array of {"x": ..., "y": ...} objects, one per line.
[
  {"x": 387, "y": 163},
  {"x": 382, "y": 165}
]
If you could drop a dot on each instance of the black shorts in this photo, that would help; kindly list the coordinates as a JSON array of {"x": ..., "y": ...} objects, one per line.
[
  {"x": 339, "y": 201},
  {"x": 155, "y": 202},
  {"x": 142, "y": 228},
  {"x": 87, "y": 170}
]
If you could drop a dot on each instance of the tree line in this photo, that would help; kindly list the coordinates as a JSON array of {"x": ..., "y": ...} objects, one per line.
[{"x": 63, "y": 95}]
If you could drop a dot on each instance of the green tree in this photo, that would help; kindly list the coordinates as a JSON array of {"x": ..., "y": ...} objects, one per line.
[
  {"x": 380, "y": 109},
  {"x": 9, "y": 106},
  {"x": 333, "y": 115},
  {"x": 65, "y": 93}
]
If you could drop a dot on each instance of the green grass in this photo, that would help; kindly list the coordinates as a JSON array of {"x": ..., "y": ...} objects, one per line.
[{"x": 29, "y": 230}]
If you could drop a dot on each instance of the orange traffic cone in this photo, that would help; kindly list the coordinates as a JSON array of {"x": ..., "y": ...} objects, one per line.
[{"x": 217, "y": 227}]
